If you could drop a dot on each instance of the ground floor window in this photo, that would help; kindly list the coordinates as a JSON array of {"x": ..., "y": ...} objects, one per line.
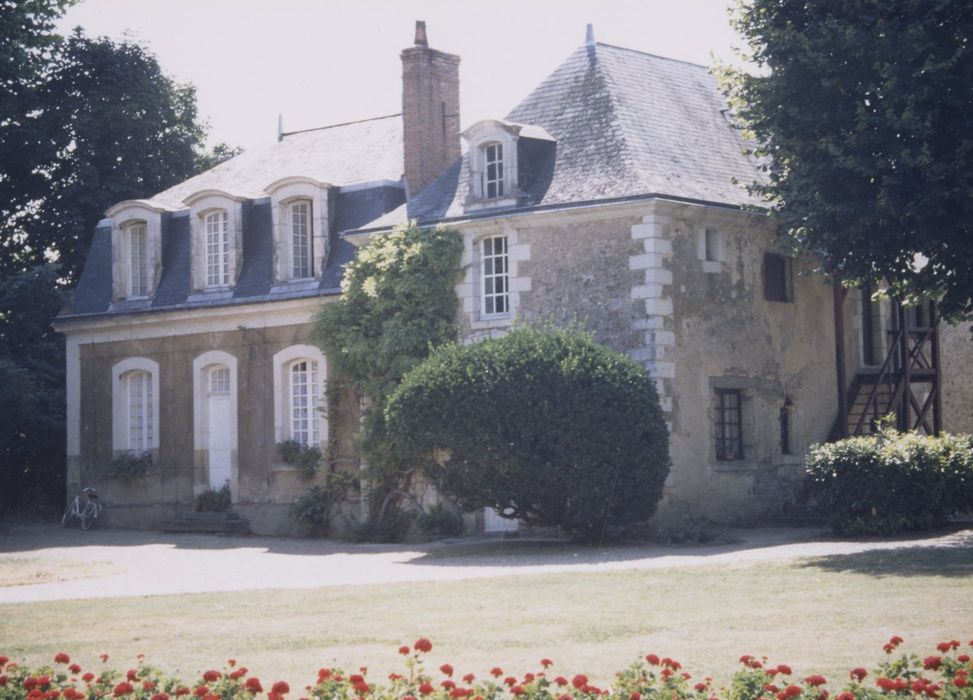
[{"x": 729, "y": 439}]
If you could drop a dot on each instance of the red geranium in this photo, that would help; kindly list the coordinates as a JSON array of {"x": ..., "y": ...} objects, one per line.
[
  {"x": 355, "y": 678},
  {"x": 103, "y": 657},
  {"x": 784, "y": 669},
  {"x": 652, "y": 659},
  {"x": 546, "y": 663},
  {"x": 404, "y": 650},
  {"x": 561, "y": 680},
  {"x": 201, "y": 691},
  {"x": 579, "y": 681},
  {"x": 123, "y": 688},
  {"x": 448, "y": 684},
  {"x": 148, "y": 685},
  {"x": 88, "y": 677},
  {"x": 253, "y": 685},
  {"x": 815, "y": 680},
  {"x": 3, "y": 680},
  {"x": 446, "y": 669},
  {"x": 160, "y": 696},
  {"x": 960, "y": 681},
  {"x": 281, "y": 688},
  {"x": 517, "y": 690},
  {"x": 636, "y": 695},
  {"x": 212, "y": 676},
  {"x": 469, "y": 678},
  {"x": 182, "y": 690},
  {"x": 496, "y": 671},
  {"x": 74, "y": 668},
  {"x": 931, "y": 663},
  {"x": 62, "y": 658},
  {"x": 422, "y": 644},
  {"x": 700, "y": 687},
  {"x": 132, "y": 674},
  {"x": 426, "y": 689},
  {"x": 858, "y": 673},
  {"x": 845, "y": 696}
]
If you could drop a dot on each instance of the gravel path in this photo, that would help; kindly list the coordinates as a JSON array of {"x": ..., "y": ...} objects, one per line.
[{"x": 150, "y": 563}]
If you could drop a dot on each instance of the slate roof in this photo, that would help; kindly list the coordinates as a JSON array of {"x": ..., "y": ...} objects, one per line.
[
  {"x": 343, "y": 154},
  {"x": 627, "y": 124}
]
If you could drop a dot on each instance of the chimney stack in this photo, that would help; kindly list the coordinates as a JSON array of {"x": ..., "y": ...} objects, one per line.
[{"x": 430, "y": 111}]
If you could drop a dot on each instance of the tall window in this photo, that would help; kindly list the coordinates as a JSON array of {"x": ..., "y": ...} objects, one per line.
[
  {"x": 303, "y": 401},
  {"x": 729, "y": 441},
  {"x": 496, "y": 276},
  {"x": 778, "y": 278},
  {"x": 493, "y": 180},
  {"x": 138, "y": 274},
  {"x": 300, "y": 221},
  {"x": 217, "y": 249},
  {"x": 138, "y": 385}
]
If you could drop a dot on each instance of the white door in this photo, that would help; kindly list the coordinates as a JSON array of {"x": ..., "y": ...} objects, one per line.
[
  {"x": 492, "y": 522},
  {"x": 218, "y": 422}
]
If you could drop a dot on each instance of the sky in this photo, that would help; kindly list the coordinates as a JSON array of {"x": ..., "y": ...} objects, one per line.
[{"x": 321, "y": 62}]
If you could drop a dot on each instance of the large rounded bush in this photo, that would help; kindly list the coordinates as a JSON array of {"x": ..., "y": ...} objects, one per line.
[{"x": 545, "y": 425}]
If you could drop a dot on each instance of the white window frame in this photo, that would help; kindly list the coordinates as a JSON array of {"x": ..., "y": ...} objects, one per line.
[
  {"x": 493, "y": 155},
  {"x": 711, "y": 248},
  {"x": 126, "y": 217},
  {"x": 216, "y": 224},
  {"x": 283, "y": 193},
  {"x": 301, "y": 237},
  {"x": 490, "y": 278},
  {"x": 284, "y": 398},
  {"x": 203, "y": 205},
  {"x": 137, "y": 237},
  {"x": 303, "y": 390},
  {"x": 122, "y": 375}
]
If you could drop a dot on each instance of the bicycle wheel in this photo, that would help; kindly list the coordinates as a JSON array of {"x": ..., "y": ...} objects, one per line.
[
  {"x": 88, "y": 517},
  {"x": 66, "y": 518}
]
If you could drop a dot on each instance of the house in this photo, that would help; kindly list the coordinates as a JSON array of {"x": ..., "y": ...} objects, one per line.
[{"x": 607, "y": 197}]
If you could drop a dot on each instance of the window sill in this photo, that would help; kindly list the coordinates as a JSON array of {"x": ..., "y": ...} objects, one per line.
[
  {"x": 497, "y": 321},
  {"x": 735, "y": 466},
  {"x": 506, "y": 201},
  {"x": 298, "y": 285},
  {"x": 213, "y": 294}
]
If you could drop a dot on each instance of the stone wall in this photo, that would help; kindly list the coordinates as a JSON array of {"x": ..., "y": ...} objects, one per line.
[{"x": 956, "y": 355}]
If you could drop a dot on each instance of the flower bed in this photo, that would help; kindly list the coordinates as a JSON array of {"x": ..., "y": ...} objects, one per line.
[{"x": 943, "y": 676}]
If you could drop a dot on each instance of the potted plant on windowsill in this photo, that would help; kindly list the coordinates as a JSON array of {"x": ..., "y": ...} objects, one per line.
[
  {"x": 129, "y": 465},
  {"x": 305, "y": 458}
]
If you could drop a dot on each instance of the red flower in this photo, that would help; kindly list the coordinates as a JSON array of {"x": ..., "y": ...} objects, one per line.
[
  {"x": 3, "y": 680},
  {"x": 324, "y": 674},
  {"x": 887, "y": 684},
  {"x": 44, "y": 681},
  {"x": 237, "y": 674},
  {"x": 408, "y": 697},
  {"x": 422, "y": 644},
  {"x": 404, "y": 650},
  {"x": 496, "y": 671},
  {"x": 932, "y": 662},
  {"x": 784, "y": 669},
  {"x": 510, "y": 681},
  {"x": 459, "y": 692},
  {"x": 960, "y": 681},
  {"x": 529, "y": 677},
  {"x": 182, "y": 690},
  {"x": 355, "y": 678},
  {"x": 3, "y": 661},
  {"x": 944, "y": 647},
  {"x": 35, "y": 694},
  {"x": 652, "y": 659},
  {"x": 62, "y": 658},
  {"x": 888, "y": 648},
  {"x": 426, "y": 688},
  {"x": 103, "y": 657},
  {"x": 745, "y": 659},
  {"x": 896, "y": 640},
  {"x": 517, "y": 690},
  {"x": 160, "y": 696},
  {"x": 845, "y": 696},
  {"x": 469, "y": 678},
  {"x": 962, "y": 658},
  {"x": 815, "y": 680},
  {"x": 74, "y": 668},
  {"x": 791, "y": 691},
  {"x": 700, "y": 687},
  {"x": 361, "y": 687},
  {"x": 579, "y": 681},
  {"x": 561, "y": 680},
  {"x": 212, "y": 676},
  {"x": 212, "y": 696},
  {"x": 636, "y": 695},
  {"x": 132, "y": 674},
  {"x": 446, "y": 669},
  {"x": 771, "y": 688},
  {"x": 253, "y": 685},
  {"x": 546, "y": 663},
  {"x": 674, "y": 665},
  {"x": 448, "y": 684},
  {"x": 148, "y": 685},
  {"x": 281, "y": 688},
  {"x": 88, "y": 677},
  {"x": 201, "y": 691},
  {"x": 858, "y": 673},
  {"x": 123, "y": 688}
]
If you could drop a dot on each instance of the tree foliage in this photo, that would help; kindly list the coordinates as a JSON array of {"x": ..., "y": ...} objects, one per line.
[
  {"x": 398, "y": 302},
  {"x": 862, "y": 112},
  {"x": 544, "y": 425}
]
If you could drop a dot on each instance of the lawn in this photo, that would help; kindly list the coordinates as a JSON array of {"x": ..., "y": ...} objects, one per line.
[
  {"x": 23, "y": 571},
  {"x": 824, "y": 615}
]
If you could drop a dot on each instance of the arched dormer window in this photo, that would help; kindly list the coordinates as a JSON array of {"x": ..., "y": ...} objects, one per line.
[
  {"x": 216, "y": 239},
  {"x": 494, "y": 168},
  {"x": 136, "y": 249},
  {"x": 299, "y": 209}
]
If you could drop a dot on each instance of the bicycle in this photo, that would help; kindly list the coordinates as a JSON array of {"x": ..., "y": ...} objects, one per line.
[{"x": 87, "y": 513}]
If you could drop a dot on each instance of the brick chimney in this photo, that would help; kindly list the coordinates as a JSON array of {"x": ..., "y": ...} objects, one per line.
[{"x": 430, "y": 111}]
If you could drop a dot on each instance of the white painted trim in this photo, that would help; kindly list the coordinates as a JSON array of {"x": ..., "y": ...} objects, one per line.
[
  {"x": 120, "y": 400},
  {"x": 124, "y": 215},
  {"x": 115, "y": 210},
  {"x": 203, "y": 203},
  {"x": 470, "y": 288},
  {"x": 283, "y": 192},
  {"x": 201, "y": 368},
  {"x": 281, "y": 361},
  {"x": 372, "y": 184}
]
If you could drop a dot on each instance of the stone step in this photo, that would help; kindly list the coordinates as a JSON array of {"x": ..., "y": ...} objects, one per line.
[{"x": 229, "y": 523}]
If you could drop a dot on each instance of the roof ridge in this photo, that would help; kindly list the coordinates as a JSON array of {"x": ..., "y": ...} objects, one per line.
[
  {"x": 333, "y": 126},
  {"x": 653, "y": 55}
]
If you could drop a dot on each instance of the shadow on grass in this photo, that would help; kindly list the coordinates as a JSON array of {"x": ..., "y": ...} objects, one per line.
[{"x": 951, "y": 561}]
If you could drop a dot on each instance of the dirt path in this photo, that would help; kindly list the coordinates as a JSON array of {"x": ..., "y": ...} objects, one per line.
[{"x": 149, "y": 563}]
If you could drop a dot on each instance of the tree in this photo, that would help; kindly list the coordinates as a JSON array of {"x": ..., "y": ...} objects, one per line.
[
  {"x": 545, "y": 425},
  {"x": 861, "y": 110},
  {"x": 398, "y": 302}
]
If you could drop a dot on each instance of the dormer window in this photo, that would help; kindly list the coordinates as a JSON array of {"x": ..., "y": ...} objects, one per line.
[
  {"x": 136, "y": 249},
  {"x": 493, "y": 177},
  {"x": 217, "y": 248},
  {"x": 301, "y": 243},
  {"x": 495, "y": 147},
  {"x": 138, "y": 273},
  {"x": 216, "y": 240},
  {"x": 300, "y": 212}
]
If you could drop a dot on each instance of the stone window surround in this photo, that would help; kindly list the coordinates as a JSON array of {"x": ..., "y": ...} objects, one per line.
[
  {"x": 713, "y": 255},
  {"x": 470, "y": 288},
  {"x": 201, "y": 204},
  {"x": 282, "y": 193},
  {"x": 202, "y": 365},
  {"x": 123, "y": 215},
  {"x": 481, "y": 135},
  {"x": 282, "y": 362},
  {"x": 120, "y": 408}
]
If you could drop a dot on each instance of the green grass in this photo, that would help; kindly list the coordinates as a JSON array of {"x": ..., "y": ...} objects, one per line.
[
  {"x": 823, "y": 615},
  {"x": 23, "y": 571}
]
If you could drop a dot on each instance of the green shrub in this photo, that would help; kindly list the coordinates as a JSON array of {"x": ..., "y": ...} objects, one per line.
[
  {"x": 307, "y": 458},
  {"x": 892, "y": 482},
  {"x": 213, "y": 500},
  {"x": 392, "y": 525},
  {"x": 129, "y": 466},
  {"x": 544, "y": 423},
  {"x": 441, "y": 520},
  {"x": 316, "y": 509}
]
